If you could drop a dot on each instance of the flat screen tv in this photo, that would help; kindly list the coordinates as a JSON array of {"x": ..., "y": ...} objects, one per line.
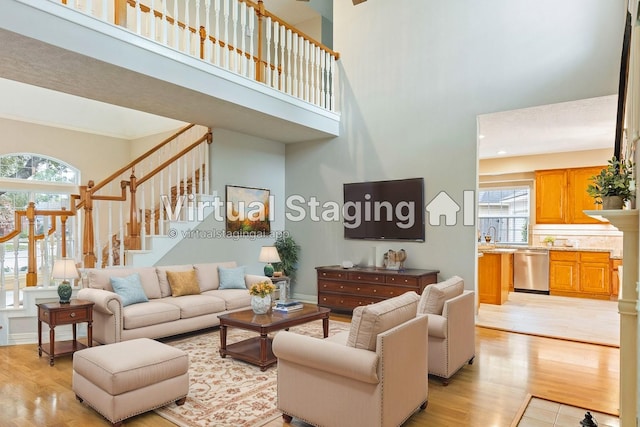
[{"x": 384, "y": 210}]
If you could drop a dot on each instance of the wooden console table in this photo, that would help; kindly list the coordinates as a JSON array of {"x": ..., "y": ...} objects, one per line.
[{"x": 344, "y": 289}]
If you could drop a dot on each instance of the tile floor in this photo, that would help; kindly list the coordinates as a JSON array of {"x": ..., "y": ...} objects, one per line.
[{"x": 545, "y": 413}]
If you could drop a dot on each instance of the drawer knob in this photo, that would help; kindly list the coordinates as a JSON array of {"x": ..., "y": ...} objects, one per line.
[
  {"x": 377, "y": 278},
  {"x": 406, "y": 281},
  {"x": 324, "y": 286},
  {"x": 357, "y": 289},
  {"x": 324, "y": 274},
  {"x": 341, "y": 287},
  {"x": 375, "y": 290},
  {"x": 359, "y": 277},
  {"x": 73, "y": 314}
]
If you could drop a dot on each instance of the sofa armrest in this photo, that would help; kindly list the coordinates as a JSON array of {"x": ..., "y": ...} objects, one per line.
[
  {"x": 322, "y": 355},
  {"x": 103, "y": 300},
  {"x": 107, "y": 314},
  {"x": 250, "y": 279}
]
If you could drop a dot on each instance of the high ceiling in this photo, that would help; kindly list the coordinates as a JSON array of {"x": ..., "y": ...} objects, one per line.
[{"x": 586, "y": 124}]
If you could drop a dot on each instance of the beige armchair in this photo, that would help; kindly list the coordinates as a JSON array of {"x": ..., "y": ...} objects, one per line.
[
  {"x": 373, "y": 375},
  {"x": 451, "y": 312}
]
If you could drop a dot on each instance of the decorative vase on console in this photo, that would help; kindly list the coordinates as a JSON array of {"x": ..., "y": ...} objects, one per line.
[{"x": 261, "y": 296}]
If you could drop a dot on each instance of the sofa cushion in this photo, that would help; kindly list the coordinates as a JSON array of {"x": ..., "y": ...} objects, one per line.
[
  {"x": 433, "y": 297},
  {"x": 233, "y": 298},
  {"x": 161, "y": 271},
  {"x": 437, "y": 326},
  {"x": 208, "y": 277},
  {"x": 370, "y": 320},
  {"x": 100, "y": 278},
  {"x": 149, "y": 313},
  {"x": 129, "y": 288},
  {"x": 232, "y": 278},
  {"x": 183, "y": 283},
  {"x": 197, "y": 305}
]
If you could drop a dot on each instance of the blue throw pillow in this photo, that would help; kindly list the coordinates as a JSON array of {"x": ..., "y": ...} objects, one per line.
[
  {"x": 231, "y": 278},
  {"x": 129, "y": 288}
]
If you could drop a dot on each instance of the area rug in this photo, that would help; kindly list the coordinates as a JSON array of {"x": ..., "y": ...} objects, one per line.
[
  {"x": 573, "y": 319},
  {"x": 536, "y": 411},
  {"x": 228, "y": 392}
]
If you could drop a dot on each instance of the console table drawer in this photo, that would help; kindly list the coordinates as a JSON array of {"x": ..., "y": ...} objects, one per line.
[
  {"x": 345, "y": 301},
  {"x": 332, "y": 275},
  {"x": 403, "y": 280},
  {"x": 366, "y": 277}
]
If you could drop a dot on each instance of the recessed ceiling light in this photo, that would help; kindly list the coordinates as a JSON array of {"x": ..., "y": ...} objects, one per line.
[{"x": 502, "y": 152}]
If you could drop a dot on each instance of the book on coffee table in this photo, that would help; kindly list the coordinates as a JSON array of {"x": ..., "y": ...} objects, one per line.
[
  {"x": 287, "y": 303},
  {"x": 288, "y": 308}
]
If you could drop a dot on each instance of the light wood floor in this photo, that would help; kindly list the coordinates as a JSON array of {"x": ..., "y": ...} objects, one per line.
[
  {"x": 489, "y": 392},
  {"x": 577, "y": 319}
]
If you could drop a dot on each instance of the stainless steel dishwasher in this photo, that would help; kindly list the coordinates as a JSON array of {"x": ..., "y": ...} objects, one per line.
[{"x": 531, "y": 271}]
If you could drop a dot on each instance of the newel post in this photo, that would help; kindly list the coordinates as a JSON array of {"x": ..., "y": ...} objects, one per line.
[
  {"x": 120, "y": 13},
  {"x": 260, "y": 13},
  {"x": 88, "y": 256},
  {"x": 32, "y": 276},
  {"x": 134, "y": 229}
]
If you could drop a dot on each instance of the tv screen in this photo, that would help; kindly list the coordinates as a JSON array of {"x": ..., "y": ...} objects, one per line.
[{"x": 384, "y": 210}]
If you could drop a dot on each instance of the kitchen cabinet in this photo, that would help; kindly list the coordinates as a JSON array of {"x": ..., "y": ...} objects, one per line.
[
  {"x": 579, "y": 274},
  {"x": 495, "y": 277},
  {"x": 561, "y": 196},
  {"x": 615, "y": 277}
]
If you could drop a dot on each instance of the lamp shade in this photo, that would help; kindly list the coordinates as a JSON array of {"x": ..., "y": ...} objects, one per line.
[
  {"x": 269, "y": 254},
  {"x": 65, "y": 269}
]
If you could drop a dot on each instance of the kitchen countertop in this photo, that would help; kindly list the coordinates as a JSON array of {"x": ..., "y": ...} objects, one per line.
[{"x": 497, "y": 249}]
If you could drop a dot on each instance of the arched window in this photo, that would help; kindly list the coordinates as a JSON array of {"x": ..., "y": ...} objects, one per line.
[
  {"x": 49, "y": 183},
  {"x": 27, "y": 177}
]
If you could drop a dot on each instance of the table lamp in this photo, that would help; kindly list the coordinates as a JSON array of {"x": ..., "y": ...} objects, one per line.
[
  {"x": 269, "y": 254},
  {"x": 65, "y": 269}
]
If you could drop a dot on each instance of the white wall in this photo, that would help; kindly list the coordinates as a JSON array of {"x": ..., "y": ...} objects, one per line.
[
  {"x": 413, "y": 78},
  {"x": 95, "y": 156},
  {"x": 239, "y": 160}
]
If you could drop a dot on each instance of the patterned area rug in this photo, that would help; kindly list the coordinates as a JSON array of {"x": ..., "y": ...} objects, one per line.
[{"x": 228, "y": 392}]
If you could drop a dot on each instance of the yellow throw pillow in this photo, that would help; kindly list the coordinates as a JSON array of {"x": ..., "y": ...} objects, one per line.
[{"x": 183, "y": 283}]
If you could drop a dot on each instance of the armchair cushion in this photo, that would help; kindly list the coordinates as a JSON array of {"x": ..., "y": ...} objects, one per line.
[
  {"x": 437, "y": 326},
  {"x": 370, "y": 320},
  {"x": 434, "y": 296}
]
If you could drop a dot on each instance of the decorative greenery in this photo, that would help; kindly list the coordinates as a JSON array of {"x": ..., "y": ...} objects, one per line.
[
  {"x": 549, "y": 239},
  {"x": 288, "y": 251},
  {"x": 262, "y": 289},
  {"x": 613, "y": 180}
]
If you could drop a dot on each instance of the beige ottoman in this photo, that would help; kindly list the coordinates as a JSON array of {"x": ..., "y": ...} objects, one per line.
[{"x": 130, "y": 377}]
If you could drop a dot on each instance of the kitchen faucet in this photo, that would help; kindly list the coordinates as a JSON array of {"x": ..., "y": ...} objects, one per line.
[{"x": 489, "y": 234}]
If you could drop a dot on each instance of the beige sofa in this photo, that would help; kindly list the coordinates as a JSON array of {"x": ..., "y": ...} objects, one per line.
[
  {"x": 451, "y": 312},
  {"x": 373, "y": 375},
  {"x": 163, "y": 314}
]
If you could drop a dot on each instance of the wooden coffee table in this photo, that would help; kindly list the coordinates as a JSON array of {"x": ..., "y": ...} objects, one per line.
[{"x": 257, "y": 350}]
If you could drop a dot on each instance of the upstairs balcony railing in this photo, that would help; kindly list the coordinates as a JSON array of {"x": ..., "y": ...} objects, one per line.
[{"x": 238, "y": 35}]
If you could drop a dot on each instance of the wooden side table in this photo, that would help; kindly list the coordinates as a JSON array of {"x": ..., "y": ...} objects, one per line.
[
  {"x": 287, "y": 283},
  {"x": 54, "y": 314}
]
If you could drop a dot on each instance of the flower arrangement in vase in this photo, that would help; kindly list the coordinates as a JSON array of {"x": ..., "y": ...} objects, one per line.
[{"x": 261, "y": 296}]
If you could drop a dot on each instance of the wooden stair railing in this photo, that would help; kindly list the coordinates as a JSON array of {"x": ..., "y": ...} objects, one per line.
[
  {"x": 30, "y": 213},
  {"x": 168, "y": 161}
]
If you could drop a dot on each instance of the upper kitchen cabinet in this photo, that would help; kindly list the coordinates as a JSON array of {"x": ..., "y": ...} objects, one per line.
[{"x": 561, "y": 196}]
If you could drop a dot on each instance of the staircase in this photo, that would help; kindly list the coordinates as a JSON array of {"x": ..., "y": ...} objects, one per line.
[
  {"x": 159, "y": 245},
  {"x": 158, "y": 194}
]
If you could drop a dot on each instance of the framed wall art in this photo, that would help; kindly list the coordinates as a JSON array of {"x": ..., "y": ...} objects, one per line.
[{"x": 247, "y": 210}]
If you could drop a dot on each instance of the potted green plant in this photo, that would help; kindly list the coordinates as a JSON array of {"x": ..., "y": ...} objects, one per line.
[
  {"x": 288, "y": 251},
  {"x": 613, "y": 186}
]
